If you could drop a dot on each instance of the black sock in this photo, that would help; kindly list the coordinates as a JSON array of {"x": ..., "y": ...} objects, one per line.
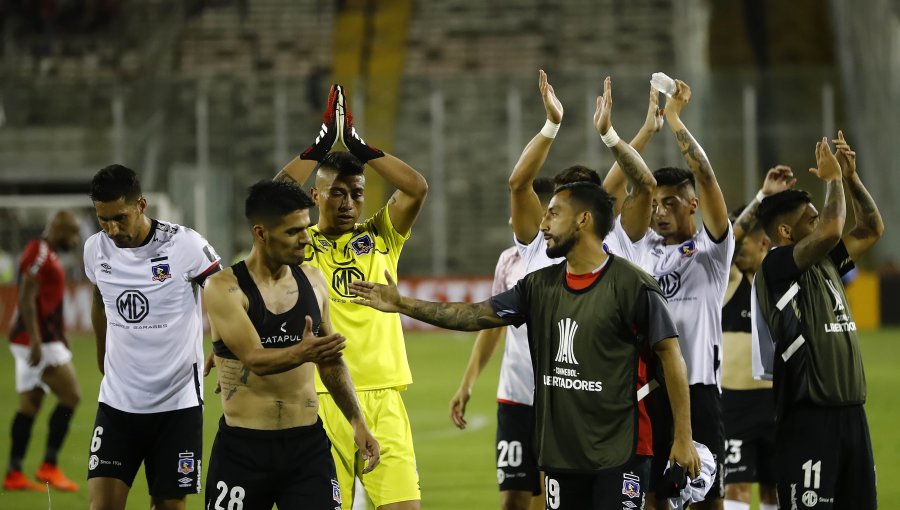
[
  {"x": 59, "y": 427},
  {"x": 21, "y": 434}
]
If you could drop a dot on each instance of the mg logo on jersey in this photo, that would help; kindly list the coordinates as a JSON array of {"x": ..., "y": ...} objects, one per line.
[
  {"x": 838, "y": 302},
  {"x": 669, "y": 283},
  {"x": 342, "y": 279},
  {"x": 566, "y": 353},
  {"x": 132, "y": 306}
]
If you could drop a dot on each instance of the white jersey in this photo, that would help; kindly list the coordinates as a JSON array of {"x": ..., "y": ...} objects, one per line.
[
  {"x": 693, "y": 276},
  {"x": 154, "y": 326},
  {"x": 534, "y": 254},
  {"x": 516, "y": 373}
]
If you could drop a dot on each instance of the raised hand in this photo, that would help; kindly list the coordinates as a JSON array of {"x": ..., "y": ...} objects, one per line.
[
  {"x": 828, "y": 168},
  {"x": 778, "y": 179},
  {"x": 679, "y": 99},
  {"x": 846, "y": 157},
  {"x": 330, "y": 129},
  {"x": 319, "y": 349},
  {"x": 348, "y": 135},
  {"x": 552, "y": 105},
  {"x": 603, "y": 113},
  {"x": 653, "y": 123},
  {"x": 376, "y": 295}
]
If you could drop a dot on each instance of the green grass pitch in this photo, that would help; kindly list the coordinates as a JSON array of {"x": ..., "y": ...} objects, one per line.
[{"x": 456, "y": 467}]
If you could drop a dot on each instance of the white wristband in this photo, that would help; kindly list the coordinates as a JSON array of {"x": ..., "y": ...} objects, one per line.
[
  {"x": 550, "y": 129},
  {"x": 760, "y": 196},
  {"x": 610, "y": 138}
]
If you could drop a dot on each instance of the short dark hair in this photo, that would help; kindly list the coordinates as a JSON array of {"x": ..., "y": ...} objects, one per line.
[
  {"x": 672, "y": 176},
  {"x": 773, "y": 207},
  {"x": 543, "y": 187},
  {"x": 595, "y": 199},
  {"x": 576, "y": 173},
  {"x": 269, "y": 201},
  {"x": 114, "y": 182},
  {"x": 344, "y": 162}
]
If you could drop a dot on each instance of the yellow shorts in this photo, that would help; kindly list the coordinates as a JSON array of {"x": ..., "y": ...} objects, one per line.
[{"x": 396, "y": 478}]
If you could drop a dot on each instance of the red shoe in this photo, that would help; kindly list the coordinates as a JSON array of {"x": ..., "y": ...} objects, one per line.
[
  {"x": 54, "y": 476},
  {"x": 17, "y": 481}
]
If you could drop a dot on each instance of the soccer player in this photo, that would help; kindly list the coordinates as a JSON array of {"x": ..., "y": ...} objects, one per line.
[
  {"x": 823, "y": 450},
  {"x": 270, "y": 323},
  {"x": 43, "y": 360},
  {"x": 517, "y": 473},
  {"x": 748, "y": 405},
  {"x": 691, "y": 265},
  {"x": 347, "y": 250},
  {"x": 146, "y": 316},
  {"x": 588, "y": 320}
]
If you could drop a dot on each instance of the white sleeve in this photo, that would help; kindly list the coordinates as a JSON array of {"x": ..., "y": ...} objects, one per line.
[
  {"x": 618, "y": 243},
  {"x": 200, "y": 259},
  {"x": 528, "y": 252},
  {"x": 719, "y": 254},
  {"x": 89, "y": 258}
]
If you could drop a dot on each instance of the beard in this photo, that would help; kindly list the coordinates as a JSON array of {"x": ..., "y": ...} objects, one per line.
[{"x": 561, "y": 248}]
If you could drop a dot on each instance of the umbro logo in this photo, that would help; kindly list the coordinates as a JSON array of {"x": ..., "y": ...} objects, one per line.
[{"x": 106, "y": 268}]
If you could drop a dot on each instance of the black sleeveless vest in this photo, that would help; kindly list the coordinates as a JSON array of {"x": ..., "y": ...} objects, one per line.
[
  {"x": 275, "y": 330},
  {"x": 736, "y": 313}
]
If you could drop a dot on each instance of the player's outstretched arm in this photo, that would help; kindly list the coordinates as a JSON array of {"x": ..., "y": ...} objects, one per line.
[
  {"x": 869, "y": 226},
  {"x": 827, "y": 233},
  {"x": 228, "y": 316},
  {"x": 301, "y": 167},
  {"x": 675, "y": 372},
  {"x": 777, "y": 179},
  {"x": 712, "y": 206},
  {"x": 98, "y": 321},
  {"x": 635, "y": 206},
  {"x": 526, "y": 206},
  {"x": 485, "y": 344},
  {"x": 458, "y": 316}
]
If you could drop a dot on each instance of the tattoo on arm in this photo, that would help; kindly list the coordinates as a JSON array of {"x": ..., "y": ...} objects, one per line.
[
  {"x": 633, "y": 166},
  {"x": 865, "y": 211},
  {"x": 458, "y": 316},
  {"x": 745, "y": 223},
  {"x": 834, "y": 207},
  {"x": 336, "y": 379},
  {"x": 312, "y": 403},
  {"x": 233, "y": 289},
  {"x": 284, "y": 176},
  {"x": 693, "y": 154}
]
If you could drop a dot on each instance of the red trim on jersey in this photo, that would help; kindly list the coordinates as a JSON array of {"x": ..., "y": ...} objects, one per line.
[
  {"x": 583, "y": 281},
  {"x": 510, "y": 402},
  {"x": 645, "y": 429},
  {"x": 201, "y": 278}
]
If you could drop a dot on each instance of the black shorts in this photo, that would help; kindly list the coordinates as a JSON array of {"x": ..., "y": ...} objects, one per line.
[
  {"x": 706, "y": 425},
  {"x": 610, "y": 490},
  {"x": 516, "y": 462},
  {"x": 824, "y": 458},
  {"x": 170, "y": 444},
  {"x": 256, "y": 469},
  {"x": 749, "y": 417}
]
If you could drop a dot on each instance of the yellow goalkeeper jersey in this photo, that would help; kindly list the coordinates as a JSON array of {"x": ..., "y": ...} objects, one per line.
[{"x": 375, "y": 352}]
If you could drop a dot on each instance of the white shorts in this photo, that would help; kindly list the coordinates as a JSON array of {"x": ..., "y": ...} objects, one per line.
[{"x": 53, "y": 354}]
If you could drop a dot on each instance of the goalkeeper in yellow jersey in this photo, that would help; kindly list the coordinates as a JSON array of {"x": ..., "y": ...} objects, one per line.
[{"x": 347, "y": 249}]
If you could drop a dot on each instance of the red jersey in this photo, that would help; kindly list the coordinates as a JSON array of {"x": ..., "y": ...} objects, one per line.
[{"x": 40, "y": 262}]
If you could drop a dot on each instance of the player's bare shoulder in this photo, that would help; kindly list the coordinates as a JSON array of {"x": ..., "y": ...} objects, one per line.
[
  {"x": 317, "y": 280},
  {"x": 224, "y": 285}
]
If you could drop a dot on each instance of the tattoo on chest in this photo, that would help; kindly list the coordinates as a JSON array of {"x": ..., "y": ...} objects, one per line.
[{"x": 232, "y": 375}]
